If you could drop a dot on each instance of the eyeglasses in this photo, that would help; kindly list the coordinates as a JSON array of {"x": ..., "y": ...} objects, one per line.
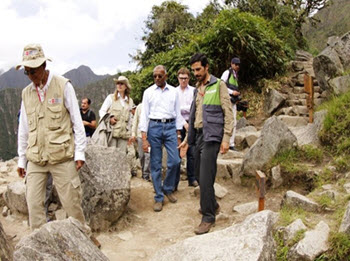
[
  {"x": 31, "y": 71},
  {"x": 155, "y": 76},
  {"x": 120, "y": 83},
  {"x": 183, "y": 78}
]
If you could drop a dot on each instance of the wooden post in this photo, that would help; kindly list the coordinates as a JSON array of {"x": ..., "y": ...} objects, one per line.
[
  {"x": 309, "y": 89},
  {"x": 261, "y": 188}
]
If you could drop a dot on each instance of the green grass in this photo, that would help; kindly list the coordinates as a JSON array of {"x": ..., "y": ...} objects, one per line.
[
  {"x": 339, "y": 248},
  {"x": 288, "y": 214},
  {"x": 284, "y": 247},
  {"x": 325, "y": 177}
]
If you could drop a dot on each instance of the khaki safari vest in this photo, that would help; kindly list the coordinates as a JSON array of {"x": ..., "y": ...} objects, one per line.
[
  {"x": 122, "y": 115},
  {"x": 50, "y": 137}
]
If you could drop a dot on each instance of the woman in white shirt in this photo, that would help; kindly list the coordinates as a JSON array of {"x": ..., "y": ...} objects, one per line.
[{"x": 119, "y": 105}]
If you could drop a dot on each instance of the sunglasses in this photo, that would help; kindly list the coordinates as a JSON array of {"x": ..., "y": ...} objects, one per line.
[
  {"x": 183, "y": 78},
  {"x": 155, "y": 76},
  {"x": 31, "y": 71}
]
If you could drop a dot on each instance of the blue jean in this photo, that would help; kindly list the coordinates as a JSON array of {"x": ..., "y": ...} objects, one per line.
[{"x": 160, "y": 133}]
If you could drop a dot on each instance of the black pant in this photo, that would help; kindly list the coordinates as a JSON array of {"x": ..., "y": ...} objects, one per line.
[{"x": 205, "y": 155}]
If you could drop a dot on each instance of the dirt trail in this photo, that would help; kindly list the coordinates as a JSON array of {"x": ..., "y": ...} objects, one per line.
[{"x": 141, "y": 231}]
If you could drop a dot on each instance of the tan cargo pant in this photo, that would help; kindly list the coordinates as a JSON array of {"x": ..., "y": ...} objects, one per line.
[{"x": 67, "y": 183}]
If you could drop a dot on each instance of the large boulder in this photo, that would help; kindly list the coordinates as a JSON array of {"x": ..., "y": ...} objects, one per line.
[
  {"x": 273, "y": 99},
  {"x": 332, "y": 61},
  {"x": 58, "y": 240},
  {"x": 250, "y": 240},
  {"x": 105, "y": 180},
  {"x": 15, "y": 197},
  {"x": 274, "y": 137},
  {"x": 309, "y": 134},
  {"x": 6, "y": 249},
  {"x": 340, "y": 85},
  {"x": 294, "y": 199}
]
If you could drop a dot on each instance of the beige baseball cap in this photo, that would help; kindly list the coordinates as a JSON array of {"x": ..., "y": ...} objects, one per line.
[
  {"x": 33, "y": 56},
  {"x": 123, "y": 79}
]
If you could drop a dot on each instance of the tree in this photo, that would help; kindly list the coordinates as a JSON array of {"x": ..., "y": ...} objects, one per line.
[
  {"x": 163, "y": 21},
  {"x": 294, "y": 13}
]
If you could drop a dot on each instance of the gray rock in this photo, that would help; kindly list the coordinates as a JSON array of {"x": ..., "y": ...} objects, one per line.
[
  {"x": 250, "y": 240},
  {"x": 332, "y": 40},
  {"x": 6, "y": 249},
  {"x": 291, "y": 230},
  {"x": 276, "y": 178},
  {"x": 106, "y": 186},
  {"x": 274, "y": 137},
  {"x": 345, "y": 224},
  {"x": 58, "y": 240},
  {"x": 294, "y": 199},
  {"x": 220, "y": 191},
  {"x": 229, "y": 169},
  {"x": 241, "y": 123},
  {"x": 309, "y": 133},
  {"x": 340, "y": 85},
  {"x": 272, "y": 101},
  {"x": 5, "y": 211},
  {"x": 252, "y": 137},
  {"x": 247, "y": 208},
  {"x": 314, "y": 243},
  {"x": 301, "y": 55},
  {"x": 15, "y": 197},
  {"x": 293, "y": 121},
  {"x": 347, "y": 188}
]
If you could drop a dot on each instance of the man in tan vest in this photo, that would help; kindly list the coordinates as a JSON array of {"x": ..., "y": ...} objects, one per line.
[{"x": 51, "y": 137}]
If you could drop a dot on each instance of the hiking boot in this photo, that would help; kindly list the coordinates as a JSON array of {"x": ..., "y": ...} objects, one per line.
[
  {"x": 158, "y": 206},
  {"x": 95, "y": 241},
  {"x": 217, "y": 210},
  {"x": 233, "y": 148},
  {"x": 203, "y": 228},
  {"x": 194, "y": 184},
  {"x": 171, "y": 197}
]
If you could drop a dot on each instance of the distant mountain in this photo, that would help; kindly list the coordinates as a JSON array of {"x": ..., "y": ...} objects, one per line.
[
  {"x": 83, "y": 76},
  {"x": 335, "y": 21},
  {"x": 13, "y": 79},
  {"x": 85, "y": 81}
]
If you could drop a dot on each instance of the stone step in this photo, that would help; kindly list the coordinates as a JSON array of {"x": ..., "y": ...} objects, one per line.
[
  {"x": 229, "y": 169},
  {"x": 298, "y": 90},
  {"x": 296, "y": 102},
  {"x": 294, "y": 96},
  {"x": 294, "y": 121}
]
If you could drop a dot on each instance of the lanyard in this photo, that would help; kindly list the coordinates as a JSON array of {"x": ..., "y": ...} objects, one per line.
[{"x": 37, "y": 91}]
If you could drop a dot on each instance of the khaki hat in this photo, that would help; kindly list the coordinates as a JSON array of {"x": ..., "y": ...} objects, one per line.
[
  {"x": 124, "y": 80},
  {"x": 33, "y": 56}
]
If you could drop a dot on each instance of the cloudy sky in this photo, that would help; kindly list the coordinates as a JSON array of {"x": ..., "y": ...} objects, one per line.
[{"x": 98, "y": 33}]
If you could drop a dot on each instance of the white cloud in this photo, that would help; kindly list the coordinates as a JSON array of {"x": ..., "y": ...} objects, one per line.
[{"x": 97, "y": 33}]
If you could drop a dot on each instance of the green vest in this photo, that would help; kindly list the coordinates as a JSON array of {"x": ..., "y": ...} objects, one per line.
[
  {"x": 50, "y": 136},
  {"x": 213, "y": 116}
]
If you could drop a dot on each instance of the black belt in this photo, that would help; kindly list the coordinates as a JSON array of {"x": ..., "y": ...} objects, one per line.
[{"x": 163, "y": 120}]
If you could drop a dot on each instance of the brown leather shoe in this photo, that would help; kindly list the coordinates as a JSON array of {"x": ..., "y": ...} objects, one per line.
[
  {"x": 217, "y": 210},
  {"x": 95, "y": 241},
  {"x": 158, "y": 206},
  {"x": 203, "y": 228},
  {"x": 171, "y": 197}
]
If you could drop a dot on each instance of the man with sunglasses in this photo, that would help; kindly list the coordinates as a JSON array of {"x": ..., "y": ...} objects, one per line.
[
  {"x": 51, "y": 137},
  {"x": 160, "y": 124},
  {"x": 185, "y": 92}
]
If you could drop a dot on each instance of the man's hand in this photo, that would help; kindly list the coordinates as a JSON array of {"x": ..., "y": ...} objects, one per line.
[
  {"x": 86, "y": 123},
  {"x": 132, "y": 139},
  {"x": 79, "y": 164},
  {"x": 183, "y": 147},
  {"x": 145, "y": 145},
  {"x": 112, "y": 121},
  {"x": 186, "y": 126},
  {"x": 21, "y": 172},
  {"x": 224, "y": 147},
  {"x": 235, "y": 93}
]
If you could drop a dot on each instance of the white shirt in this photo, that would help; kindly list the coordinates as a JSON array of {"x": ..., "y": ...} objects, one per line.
[
  {"x": 160, "y": 104},
  {"x": 185, "y": 98},
  {"x": 108, "y": 103},
  {"x": 71, "y": 103}
]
